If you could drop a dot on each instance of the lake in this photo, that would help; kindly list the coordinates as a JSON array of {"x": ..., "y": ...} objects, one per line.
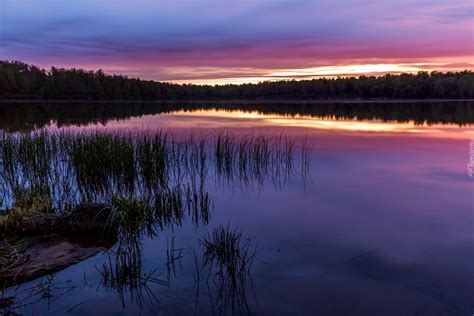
[{"x": 380, "y": 223}]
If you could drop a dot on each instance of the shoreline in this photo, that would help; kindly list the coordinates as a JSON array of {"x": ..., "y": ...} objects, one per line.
[{"x": 236, "y": 101}]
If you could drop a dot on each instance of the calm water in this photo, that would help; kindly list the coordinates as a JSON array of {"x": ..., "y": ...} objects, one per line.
[{"x": 382, "y": 225}]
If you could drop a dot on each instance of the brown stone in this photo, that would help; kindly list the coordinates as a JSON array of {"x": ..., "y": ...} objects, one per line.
[
  {"x": 68, "y": 239},
  {"x": 47, "y": 256},
  {"x": 85, "y": 219}
]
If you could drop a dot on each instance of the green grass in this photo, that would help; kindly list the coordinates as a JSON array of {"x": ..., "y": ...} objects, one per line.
[
  {"x": 28, "y": 203},
  {"x": 68, "y": 168}
]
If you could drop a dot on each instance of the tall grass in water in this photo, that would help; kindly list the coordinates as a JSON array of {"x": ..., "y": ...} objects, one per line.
[
  {"x": 151, "y": 182},
  {"x": 229, "y": 258},
  {"x": 152, "y": 157},
  {"x": 151, "y": 178},
  {"x": 123, "y": 271},
  {"x": 254, "y": 158},
  {"x": 102, "y": 162},
  {"x": 67, "y": 168}
]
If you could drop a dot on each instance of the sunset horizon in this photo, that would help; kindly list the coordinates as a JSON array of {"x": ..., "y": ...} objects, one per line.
[
  {"x": 326, "y": 72},
  {"x": 249, "y": 42}
]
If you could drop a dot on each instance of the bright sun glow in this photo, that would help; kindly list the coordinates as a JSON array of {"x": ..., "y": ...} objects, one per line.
[{"x": 239, "y": 76}]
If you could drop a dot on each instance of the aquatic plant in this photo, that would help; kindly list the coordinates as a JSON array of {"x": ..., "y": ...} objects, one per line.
[
  {"x": 29, "y": 202},
  {"x": 123, "y": 271},
  {"x": 101, "y": 162},
  {"x": 152, "y": 157},
  {"x": 68, "y": 168},
  {"x": 229, "y": 259}
]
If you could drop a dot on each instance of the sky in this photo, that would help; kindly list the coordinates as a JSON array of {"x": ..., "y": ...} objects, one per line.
[{"x": 218, "y": 42}]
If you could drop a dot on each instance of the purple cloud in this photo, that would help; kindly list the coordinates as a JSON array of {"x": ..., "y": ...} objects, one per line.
[{"x": 147, "y": 37}]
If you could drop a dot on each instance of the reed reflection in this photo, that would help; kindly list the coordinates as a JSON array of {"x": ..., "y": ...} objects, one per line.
[{"x": 149, "y": 183}]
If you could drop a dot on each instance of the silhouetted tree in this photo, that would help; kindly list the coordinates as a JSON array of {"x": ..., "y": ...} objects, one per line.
[{"x": 22, "y": 81}]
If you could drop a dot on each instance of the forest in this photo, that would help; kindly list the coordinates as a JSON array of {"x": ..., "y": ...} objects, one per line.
[{"x": 19, "y": 80}]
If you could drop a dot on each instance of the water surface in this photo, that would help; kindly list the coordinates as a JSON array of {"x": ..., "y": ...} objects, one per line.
[{"x": 381, "y": 225}]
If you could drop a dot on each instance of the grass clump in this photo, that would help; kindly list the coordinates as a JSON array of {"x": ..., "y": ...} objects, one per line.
[
  {"x": 28, "y": 204},
  {"x": 132, "y": 215},
  {"x": 152, "y": 157},
  {"x": 102, "y": 162},
  {"x": 229, "y": 258},
  {"x": 226, "y": 250},
  {"x": 123, "y": 272}
]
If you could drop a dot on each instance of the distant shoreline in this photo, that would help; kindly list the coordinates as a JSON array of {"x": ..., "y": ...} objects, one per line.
[{"x": 286, "y": 101}]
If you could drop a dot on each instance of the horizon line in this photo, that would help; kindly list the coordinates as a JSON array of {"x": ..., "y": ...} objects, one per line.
[{"x": 298, "y": 75}]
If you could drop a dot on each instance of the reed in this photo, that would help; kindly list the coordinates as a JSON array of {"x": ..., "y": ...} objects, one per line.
[
  {"x": 229, "y": 258},
  {"x": 68, "y": 168}
]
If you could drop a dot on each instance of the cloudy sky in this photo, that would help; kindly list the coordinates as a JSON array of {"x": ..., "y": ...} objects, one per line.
[{"x": 215, "y": 41}]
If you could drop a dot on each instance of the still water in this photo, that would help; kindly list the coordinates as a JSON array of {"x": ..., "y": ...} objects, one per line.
[{"x": 381, "y": 225}]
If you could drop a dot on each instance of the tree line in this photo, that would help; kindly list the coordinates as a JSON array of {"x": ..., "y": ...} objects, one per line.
[{"x": 19, "y": 80}]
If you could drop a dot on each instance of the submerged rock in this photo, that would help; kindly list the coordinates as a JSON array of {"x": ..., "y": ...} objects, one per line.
[
  {"x": 49, "y": 255},
  {"x": 86, "y": 219},
  {"x": 59, "y": 240}
]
